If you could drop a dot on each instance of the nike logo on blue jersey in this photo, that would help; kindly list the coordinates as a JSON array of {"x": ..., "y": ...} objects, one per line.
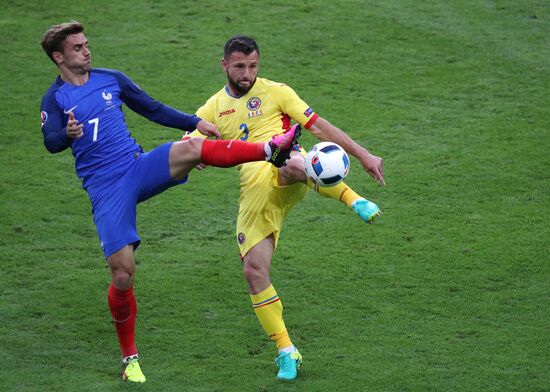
[{"x": 70, "y": 110}]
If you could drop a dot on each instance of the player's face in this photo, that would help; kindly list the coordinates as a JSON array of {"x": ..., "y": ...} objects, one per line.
[
  {"x": 241, "y": 70},
  {"x": 76, "y": 56}
]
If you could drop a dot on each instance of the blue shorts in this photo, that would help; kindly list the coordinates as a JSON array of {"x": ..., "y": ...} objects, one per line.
[{"x": 114, "y": 206}]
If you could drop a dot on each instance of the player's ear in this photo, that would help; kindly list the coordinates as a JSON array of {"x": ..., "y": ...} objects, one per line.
[
  {"x": 224, "y": 64},
  {"x": 57, "y": 57}
]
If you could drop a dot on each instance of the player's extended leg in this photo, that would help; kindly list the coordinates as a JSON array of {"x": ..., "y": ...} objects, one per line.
[
  {"x": 122, "y": 304},
  {"x": 367, "y": 210},
  {"x": 268, "y": 306},
  {"x": 186, "y": 154},
  {"x": 294, "y": 172}
]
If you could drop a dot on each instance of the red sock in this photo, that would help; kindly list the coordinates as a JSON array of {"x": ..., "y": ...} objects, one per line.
[
  {"x": 122, "y": 304},
  {"x": 226, "y": 153}
]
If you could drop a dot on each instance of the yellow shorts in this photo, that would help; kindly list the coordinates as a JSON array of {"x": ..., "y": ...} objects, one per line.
[{"x": 263, "y": 205}]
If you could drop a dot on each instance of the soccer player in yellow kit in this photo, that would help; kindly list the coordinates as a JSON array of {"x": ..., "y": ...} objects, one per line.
[{"x": 255, "y": 109}]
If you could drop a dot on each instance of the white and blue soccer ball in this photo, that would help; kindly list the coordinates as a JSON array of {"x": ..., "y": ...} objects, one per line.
[{"x": 327, "y": 164}]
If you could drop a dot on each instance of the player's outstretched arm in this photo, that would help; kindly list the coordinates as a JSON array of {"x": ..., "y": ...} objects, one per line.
[{"x": 325, "y": 131}]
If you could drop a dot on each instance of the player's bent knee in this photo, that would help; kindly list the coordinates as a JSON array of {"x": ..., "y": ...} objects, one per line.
[
  {"x": 191, "y": 147},
  {"x": 187, "y": 151},
  {"x": 122, "y": 279},
  {"x": 122, "y": 267},
  {"x": 184, "y": 156}
]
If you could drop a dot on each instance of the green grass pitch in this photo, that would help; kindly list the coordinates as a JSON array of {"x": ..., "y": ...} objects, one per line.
[{"x": 448, "y": 291}]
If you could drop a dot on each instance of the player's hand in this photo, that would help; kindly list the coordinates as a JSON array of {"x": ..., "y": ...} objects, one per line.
[
  {"x": 208, "y": 129},
  {"x": 74, "y": 129},
  {"x": 374, "y": 165}
]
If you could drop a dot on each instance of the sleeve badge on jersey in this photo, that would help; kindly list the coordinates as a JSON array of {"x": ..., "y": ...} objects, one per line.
[
  {"x": 308, "y": 112},
  {"x": 44, "y": 117}
]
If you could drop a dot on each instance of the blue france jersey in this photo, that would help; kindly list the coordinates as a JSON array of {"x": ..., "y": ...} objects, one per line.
[{"x": 106, "y": 148}]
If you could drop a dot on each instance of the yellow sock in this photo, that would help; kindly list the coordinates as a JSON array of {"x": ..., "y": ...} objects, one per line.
[
  {"x": 339, "y": 191},
  {"x": 269, "y": 310}
]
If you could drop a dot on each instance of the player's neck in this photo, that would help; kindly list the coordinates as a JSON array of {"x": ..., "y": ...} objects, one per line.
[{"x": 72, "y": 78}]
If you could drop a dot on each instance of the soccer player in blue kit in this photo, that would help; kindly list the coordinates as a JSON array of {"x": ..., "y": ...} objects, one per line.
[{"x": 82, "y": 110}]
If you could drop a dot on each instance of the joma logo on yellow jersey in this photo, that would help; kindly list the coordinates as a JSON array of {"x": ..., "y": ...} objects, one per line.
[{"x": 226, "y": 112}]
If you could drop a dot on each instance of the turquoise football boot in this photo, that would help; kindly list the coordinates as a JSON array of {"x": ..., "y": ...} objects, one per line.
[
  {"x": 288, "y": 365},
  {"x": 366, "y": 210}
]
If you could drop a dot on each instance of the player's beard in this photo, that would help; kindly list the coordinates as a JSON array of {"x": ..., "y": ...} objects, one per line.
[{"x": 235, "y": 86}]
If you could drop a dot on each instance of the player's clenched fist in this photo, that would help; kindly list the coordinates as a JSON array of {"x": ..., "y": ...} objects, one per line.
[{"x": 74, "y": 129}]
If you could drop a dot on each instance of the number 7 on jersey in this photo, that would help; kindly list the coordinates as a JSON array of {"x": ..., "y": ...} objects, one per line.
[{"x": 94, "y": 121}]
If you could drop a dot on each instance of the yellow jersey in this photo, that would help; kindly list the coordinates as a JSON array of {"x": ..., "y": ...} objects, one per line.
[{"x": 264, "y": 111}]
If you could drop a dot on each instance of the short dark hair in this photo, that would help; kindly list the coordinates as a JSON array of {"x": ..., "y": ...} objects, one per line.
[
  {"x": 240, "y": 43},
  {"x": 53, "y": 39}
]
